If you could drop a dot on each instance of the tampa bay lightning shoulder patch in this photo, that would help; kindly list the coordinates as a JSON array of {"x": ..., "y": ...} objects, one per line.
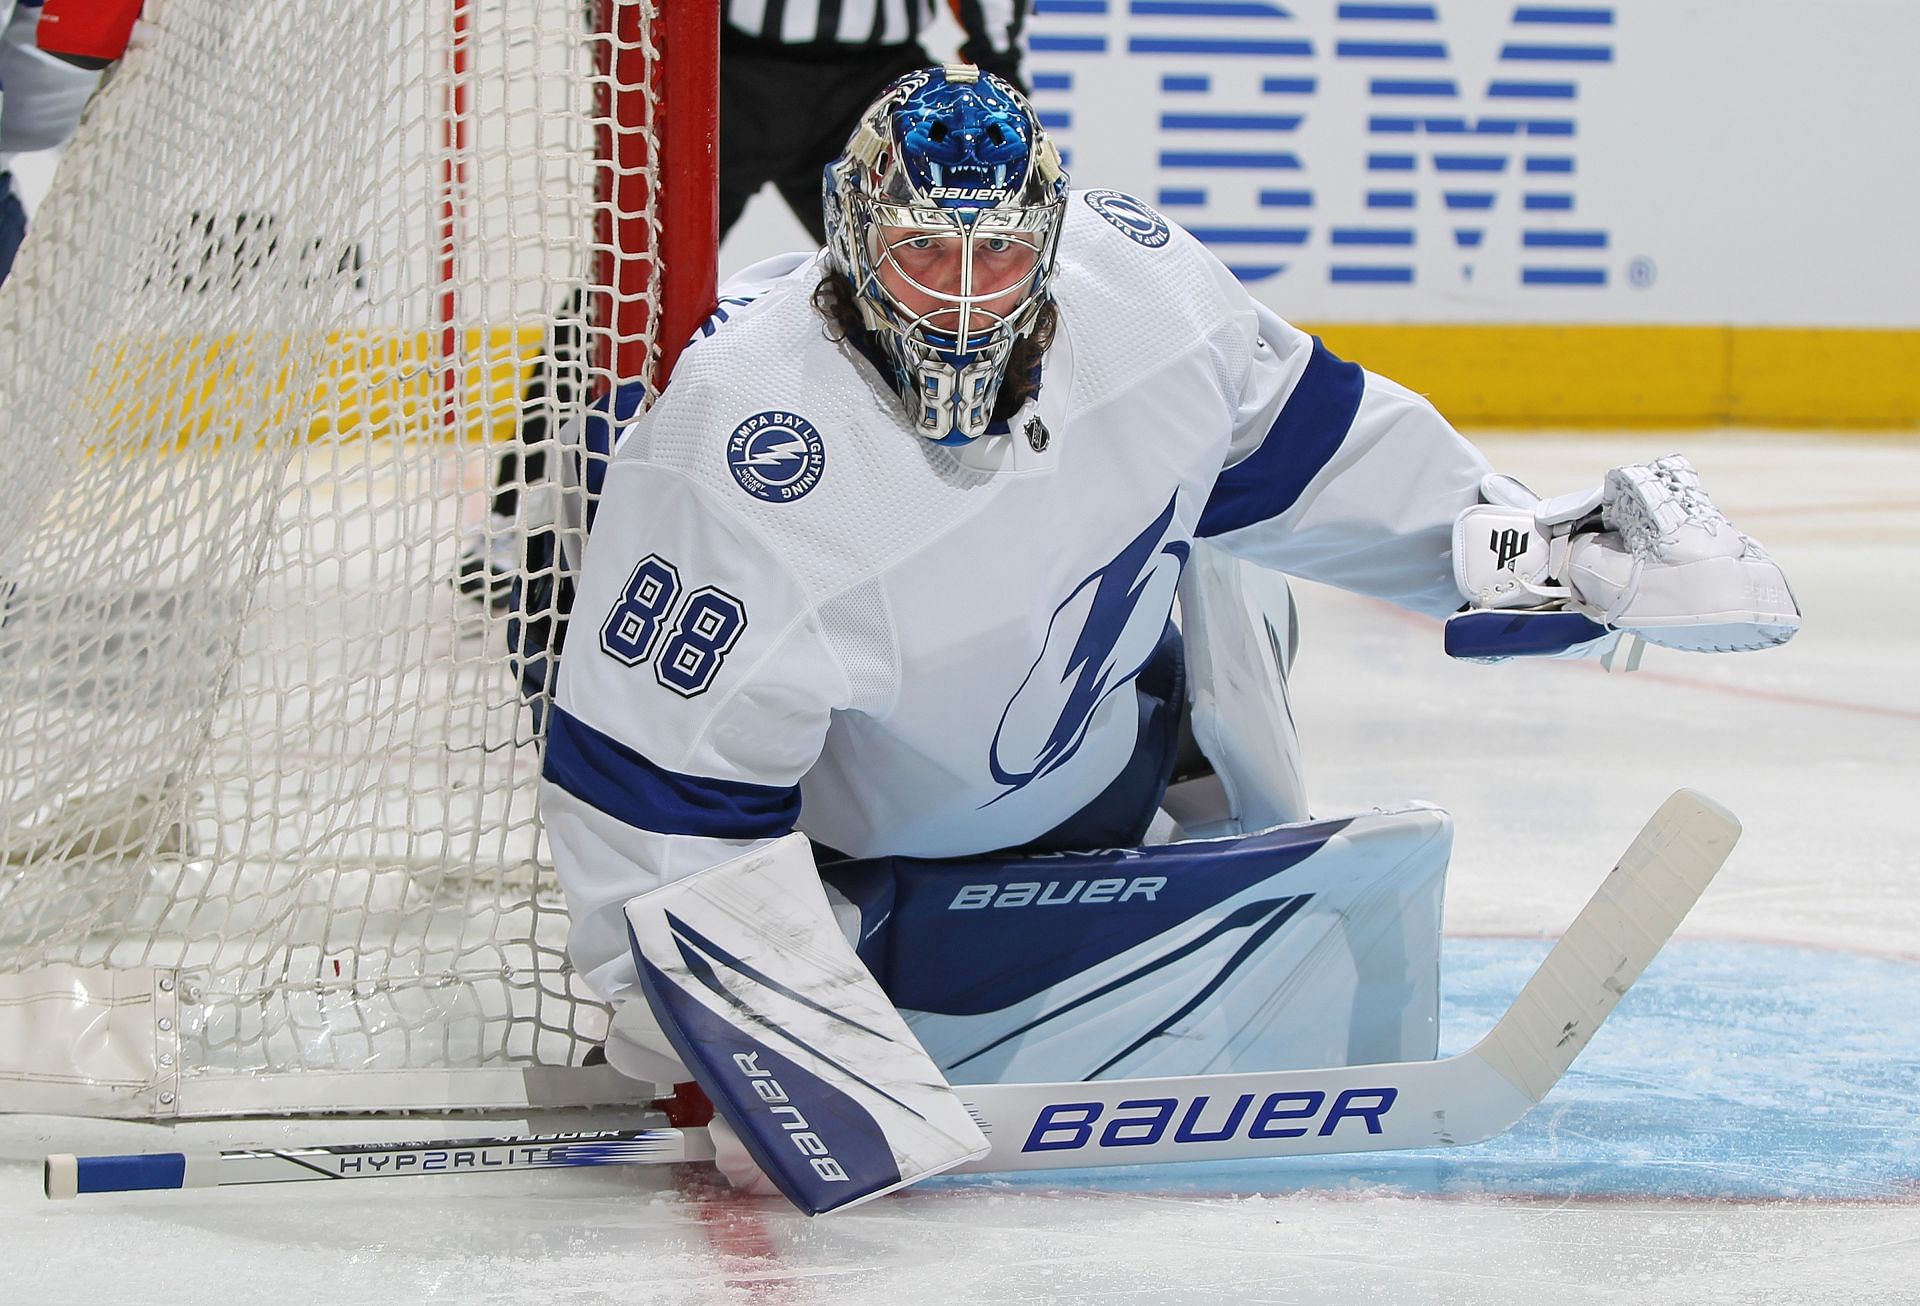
[
  {"x": 776, "y": 456},
  {"x": 1135, "y": 220}
]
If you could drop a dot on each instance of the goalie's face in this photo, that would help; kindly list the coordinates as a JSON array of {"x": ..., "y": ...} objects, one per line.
[{"x": 957, "y": 290}]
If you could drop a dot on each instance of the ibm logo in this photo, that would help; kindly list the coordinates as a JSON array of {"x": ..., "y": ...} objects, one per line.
[{"x": 1436, "y": 137}]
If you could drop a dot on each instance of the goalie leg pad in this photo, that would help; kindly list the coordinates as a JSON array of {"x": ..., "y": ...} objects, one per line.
[
  {"x": 755, "y": 987},
  {"x": 1302, "y": 945}
]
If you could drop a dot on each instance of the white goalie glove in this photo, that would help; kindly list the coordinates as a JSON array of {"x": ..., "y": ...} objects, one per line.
[{"x": 1646, "y": 551}]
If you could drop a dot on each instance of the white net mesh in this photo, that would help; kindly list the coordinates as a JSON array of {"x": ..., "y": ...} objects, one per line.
[{"x": 250, "y": 729}]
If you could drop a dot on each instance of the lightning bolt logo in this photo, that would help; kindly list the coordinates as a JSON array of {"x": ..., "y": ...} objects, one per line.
[
  {"x": 771, "y": 455},
  {"x": 1097, "y": 642}
]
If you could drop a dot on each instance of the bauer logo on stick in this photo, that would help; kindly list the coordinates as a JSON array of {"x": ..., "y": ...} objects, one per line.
[{"x": 1069, "y": 1126}]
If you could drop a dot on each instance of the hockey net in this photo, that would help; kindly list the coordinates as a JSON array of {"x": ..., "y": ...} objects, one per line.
[{"x": 268, "y": 839}]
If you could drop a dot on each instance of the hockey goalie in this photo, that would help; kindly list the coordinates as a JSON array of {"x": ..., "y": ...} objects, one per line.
[{"x": 923, "y": 719}]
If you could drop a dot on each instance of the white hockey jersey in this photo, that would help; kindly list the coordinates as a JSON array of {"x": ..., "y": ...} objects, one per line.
[{"x": 792, "y": 609}]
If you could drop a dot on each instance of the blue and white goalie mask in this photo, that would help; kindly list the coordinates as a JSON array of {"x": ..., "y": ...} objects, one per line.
[{"x": 944, "y": 212}]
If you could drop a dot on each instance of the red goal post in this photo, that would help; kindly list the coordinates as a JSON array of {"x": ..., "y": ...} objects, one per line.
[
  {"x": 268, "y": 840},
  {"x": 659, "y": 210}
]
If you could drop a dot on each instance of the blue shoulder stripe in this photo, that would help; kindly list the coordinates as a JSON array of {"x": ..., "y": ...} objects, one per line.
[
  {"x": 1301, "y": 441},
  {"x": 606, "y": 774}
]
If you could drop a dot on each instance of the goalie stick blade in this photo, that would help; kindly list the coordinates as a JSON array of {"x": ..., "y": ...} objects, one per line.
[
  {"x": 1456, "y": 1100},
  {"x": 1628, "y": 920}
]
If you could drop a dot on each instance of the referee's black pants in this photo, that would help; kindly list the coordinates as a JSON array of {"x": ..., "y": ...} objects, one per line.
[{"x": 786, "y": 112}]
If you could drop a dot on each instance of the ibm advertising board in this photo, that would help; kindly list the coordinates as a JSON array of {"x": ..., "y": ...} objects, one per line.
[{"x": 1634, "y": 212}]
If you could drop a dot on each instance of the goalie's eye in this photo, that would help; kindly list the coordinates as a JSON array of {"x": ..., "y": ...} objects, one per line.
[
  {"x": 996, "y": 244},
  {"x": 921, "y": 243}
]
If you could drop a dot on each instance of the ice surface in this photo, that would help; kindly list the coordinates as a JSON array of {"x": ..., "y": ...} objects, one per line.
[{"x": 1744, "y": 1131}]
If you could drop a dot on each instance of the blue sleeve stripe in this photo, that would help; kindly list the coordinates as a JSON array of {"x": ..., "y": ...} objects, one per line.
[
  {"x": 1301, "y": 441},
  {"x": 606, "y": 774},
  {"x": 599, "y": 435}
]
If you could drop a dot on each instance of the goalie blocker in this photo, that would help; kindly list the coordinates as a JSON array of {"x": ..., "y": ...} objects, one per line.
[{"x": 1306, "y": 945}]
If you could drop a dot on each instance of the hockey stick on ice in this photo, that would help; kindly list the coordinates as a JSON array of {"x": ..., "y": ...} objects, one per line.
[
  {"x": 1461, "y": 1099},
  {"x": 68, "y": 1176}
]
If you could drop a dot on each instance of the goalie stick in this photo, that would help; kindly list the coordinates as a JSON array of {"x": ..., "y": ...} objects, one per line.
[
  {"x": 1456, "y": 1100},
  {"x": 68, "y": 1176}
]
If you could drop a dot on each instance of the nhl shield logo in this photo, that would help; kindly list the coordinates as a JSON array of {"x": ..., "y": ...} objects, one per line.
[{"x": 776, "y": 456}]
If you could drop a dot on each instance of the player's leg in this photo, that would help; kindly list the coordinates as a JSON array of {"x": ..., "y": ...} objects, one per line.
[{"x": 490, "y": 560}]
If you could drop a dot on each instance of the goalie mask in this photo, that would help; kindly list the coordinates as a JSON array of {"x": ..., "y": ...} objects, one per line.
[{"x": 944, "y": 213}]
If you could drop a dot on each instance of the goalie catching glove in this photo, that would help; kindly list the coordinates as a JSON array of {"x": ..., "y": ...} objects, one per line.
[{"x": 1647, "y": 552}]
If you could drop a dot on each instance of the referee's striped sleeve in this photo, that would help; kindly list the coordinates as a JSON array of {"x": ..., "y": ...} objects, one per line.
[{"x": 852, "y": 23}]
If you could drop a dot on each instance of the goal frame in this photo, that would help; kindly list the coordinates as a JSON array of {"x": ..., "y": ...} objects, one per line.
[{"x": 107, "y": 1041}]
